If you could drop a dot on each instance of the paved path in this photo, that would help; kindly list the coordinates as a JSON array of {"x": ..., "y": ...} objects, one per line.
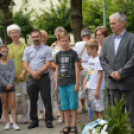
[{"x": 42, "y": 128}]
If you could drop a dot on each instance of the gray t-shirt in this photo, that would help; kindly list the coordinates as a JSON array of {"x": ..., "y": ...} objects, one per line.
[
  {"x": 66, "y": 63},
  {"x": 7, "y": 74}
]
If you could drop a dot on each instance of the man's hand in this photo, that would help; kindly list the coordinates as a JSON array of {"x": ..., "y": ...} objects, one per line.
[
  {"x": 9, "y": 86},
  {"x": 96, "y": 93},
  {"x": 76, "y": 88},
  {"x": 112, "y": 74},
  {"x": 56, "y": 89},
  {"x": 35, "y": 75},
  {"x": 21, "y": 77},
  {"x": 116, "y": 77}
]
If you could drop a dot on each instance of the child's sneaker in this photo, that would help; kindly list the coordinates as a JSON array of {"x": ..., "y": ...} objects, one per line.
[
  {"x": 8, "y": 126},
  {"x": 15, "y": 126}
]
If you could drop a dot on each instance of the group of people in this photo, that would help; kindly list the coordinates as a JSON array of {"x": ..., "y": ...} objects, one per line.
[{"x": 39, "y": 70}]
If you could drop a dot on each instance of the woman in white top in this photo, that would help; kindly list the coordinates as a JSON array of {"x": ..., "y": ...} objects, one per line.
[
  {"x": 101, "y": 32},
  {"x": 82, "y": 53},
  {"x": 55, "y": 48}
]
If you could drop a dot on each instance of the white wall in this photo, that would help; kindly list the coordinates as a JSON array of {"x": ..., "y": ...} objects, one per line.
[{"x": 36, "y": 4}]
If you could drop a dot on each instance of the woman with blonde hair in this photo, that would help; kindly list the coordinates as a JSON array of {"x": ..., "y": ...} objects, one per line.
[
  {"x": 16, "y": 50},
  {"x": 40, "y": 101},
  {"x": 55, "y": 48}
]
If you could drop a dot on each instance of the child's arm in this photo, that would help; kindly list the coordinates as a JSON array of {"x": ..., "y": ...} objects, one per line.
[
  {"x": 3, "y": 82},
  {"x": 12, "y": 74},
  {"x": 11, "y": 81},
  {"x": 80, "y": 66},
  {"x": 56, "y": 79},
  {"x": 77, "y": 76},
  {"x": 96, "y": 94},
  {"x": 53, "y": 66},
  {"x": 85, "y": 83}
]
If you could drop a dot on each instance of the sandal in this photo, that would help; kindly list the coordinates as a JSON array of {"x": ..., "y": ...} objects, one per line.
[
  {"x": 73, "y": 130},
  {"x": 60, "y": 121},
  {"x": 65, "y": 132}
]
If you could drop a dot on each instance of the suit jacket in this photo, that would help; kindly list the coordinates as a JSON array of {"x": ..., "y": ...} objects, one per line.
[
  {"x": 0, "y": 109},
  {"x": 123, "y": 61}
]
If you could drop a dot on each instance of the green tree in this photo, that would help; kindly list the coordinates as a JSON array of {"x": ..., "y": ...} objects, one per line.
[
  {"x": 6, "y": 19},
  {"x": 54, "y": 16},
  {"x": 93, "y": 12},
  {"x": 23, "y": 19},
  {"x": 2, "y": 26}
]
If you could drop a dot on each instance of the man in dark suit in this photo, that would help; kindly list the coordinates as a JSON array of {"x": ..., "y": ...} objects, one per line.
[
  {"x": 117, "y": 60},
  {"x": 0, "y": 109}
]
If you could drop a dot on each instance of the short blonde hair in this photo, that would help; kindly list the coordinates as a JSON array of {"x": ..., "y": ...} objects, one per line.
[
  {"x": 103, "y": 30},
  {"x": 59, "y": 29},
  {"x": 44, "y": 33},
  {"x": 13, "y": 27},
  {"x": 63, "y": 35},
  {"x": 92, "y": 43}
]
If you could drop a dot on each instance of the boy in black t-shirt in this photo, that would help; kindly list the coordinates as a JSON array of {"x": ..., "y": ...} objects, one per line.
[{"x": 67, "y": 78}]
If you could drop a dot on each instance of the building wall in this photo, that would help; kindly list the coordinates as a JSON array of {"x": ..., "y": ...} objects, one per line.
[{"x": 36, "y": 4}]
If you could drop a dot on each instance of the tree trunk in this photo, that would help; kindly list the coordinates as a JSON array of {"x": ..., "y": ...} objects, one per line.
[
  {"x": 26, "y": 39},
  {"x": 4, "y": 6},
  {"x": 8, "y": 21},
  {"x": 76, "y": 18}
]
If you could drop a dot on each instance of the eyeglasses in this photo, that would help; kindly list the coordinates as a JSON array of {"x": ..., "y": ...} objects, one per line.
[
  {"x": 4, "y": 53},
  {"x": 98, "y": 35}
]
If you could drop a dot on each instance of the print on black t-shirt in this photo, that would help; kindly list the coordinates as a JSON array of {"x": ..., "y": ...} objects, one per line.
[{"x": 65, "y": 66}]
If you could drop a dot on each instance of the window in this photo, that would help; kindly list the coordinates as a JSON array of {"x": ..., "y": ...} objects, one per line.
[{"x": 42, "y": 1}]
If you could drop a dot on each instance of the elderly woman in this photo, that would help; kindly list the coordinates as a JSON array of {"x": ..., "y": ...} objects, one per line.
[
  {"x": 55, "y": 48},
  {"x": 16, "y": 50},
  {"x": 101, "y": 32}
]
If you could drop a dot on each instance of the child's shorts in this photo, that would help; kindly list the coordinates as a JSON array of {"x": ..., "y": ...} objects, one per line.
[
  {"x": 3, "y": 90},
  {"x": 96, "y": 104},
  {"x": 68, "y": 97}
]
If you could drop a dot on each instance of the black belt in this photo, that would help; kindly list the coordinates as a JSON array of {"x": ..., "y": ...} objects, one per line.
[{"x": 42, "y": 75}]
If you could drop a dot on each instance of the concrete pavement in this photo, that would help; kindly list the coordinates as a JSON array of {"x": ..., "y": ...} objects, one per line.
[{"x": 42, "y": 128}]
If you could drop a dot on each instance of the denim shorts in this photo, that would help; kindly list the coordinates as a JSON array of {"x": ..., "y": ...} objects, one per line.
[
  {"x": 3, "y": 90},
  {"x": 68, "y": 97}
]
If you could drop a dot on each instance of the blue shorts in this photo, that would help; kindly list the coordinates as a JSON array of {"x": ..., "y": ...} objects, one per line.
[{"x": 68, "y": 97}]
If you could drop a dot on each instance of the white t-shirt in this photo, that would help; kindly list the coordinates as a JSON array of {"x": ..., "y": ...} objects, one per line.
[
  {"x": 94, "y": 67},
  {"x": 84, "y": 57},
  {"x": 54, "y": 51}
]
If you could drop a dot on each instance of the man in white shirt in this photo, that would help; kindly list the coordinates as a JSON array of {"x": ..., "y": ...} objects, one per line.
[{"x": 81, "y": 51}]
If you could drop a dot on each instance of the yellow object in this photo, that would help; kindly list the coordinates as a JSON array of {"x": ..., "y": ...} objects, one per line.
[{"x": 90, "y": 72}]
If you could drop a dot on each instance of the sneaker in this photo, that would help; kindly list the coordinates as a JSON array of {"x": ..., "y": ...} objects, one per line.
[
  {"x": 41, "y": 116},
  {"x": 8, "y": 126},
  {"x": 15, "y": 126}
]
